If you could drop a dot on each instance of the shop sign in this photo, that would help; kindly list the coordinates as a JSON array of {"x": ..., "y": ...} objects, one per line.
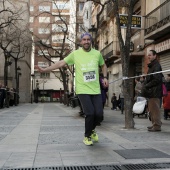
[
  {"x": 135, "y": 24},
  {"x": 162, "y": 46}
]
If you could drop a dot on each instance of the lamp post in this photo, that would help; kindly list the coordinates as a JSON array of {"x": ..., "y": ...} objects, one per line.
[
  {"x": 7, "y": 63},
  {"x": 37, "y": 88},
  {"x": 32, "y": 78},
  {"x": 93, "y": 32},
  {"x": 17, "y": 89}
]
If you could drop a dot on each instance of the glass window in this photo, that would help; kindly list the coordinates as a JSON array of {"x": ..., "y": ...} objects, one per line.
[
  {"x": 81, "y": 5},
  {"x": 45, "y": 75},
  {"x": 45, "y": 41},
  {"x": 81, "y": 28},
  {"x": 45, "y": 52},
  {"x": 31, "y": 8},
  {"x": 31, "y": 19},
  {"x": 44, "y": 8},
  {"x": 87, "y": 15},
  {"x": 44, "y": 19},
  {"x": 43, "y": 30},
  {"x": 61, "y": 5},
  {"x": 31, "y": 29},
  {"x": 58, "y": 28},
  {"x": 57, "y": 18}
]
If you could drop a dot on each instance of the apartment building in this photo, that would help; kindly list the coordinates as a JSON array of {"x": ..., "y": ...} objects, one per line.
[
  {"x": 18, "y": 78},
  {"x": 108, "y": 43},
  {"x": 157, "y": 31},
  {"x": 49, "y": 23}
]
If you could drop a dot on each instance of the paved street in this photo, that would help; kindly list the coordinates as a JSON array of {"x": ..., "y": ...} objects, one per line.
[{"x": 51, "y": 134}]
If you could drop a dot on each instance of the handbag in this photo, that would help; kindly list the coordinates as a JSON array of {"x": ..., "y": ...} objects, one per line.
[{"x": 164, "y": 90}]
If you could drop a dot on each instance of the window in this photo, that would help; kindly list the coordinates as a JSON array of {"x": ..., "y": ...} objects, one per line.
[
  {"x": 45, "y": 41},
  {"x": 45, "y": 52},
  {"x": 43, "y": 64},
  {"x": 44, "y": 19},
  {"x": 60, "y": 18},
  {"x": 81, "y": 28},
  {"x": 43, "y": 30},
  {"x": 31, "y": 19},
  {"x": 57, "y": 39},
  {"x": 31, "y": 8},
  {"x": 31, "y": 29},
  {"x": 81, "y": 5},
  {"x": 61, "y": 5},
  {"x": 87, "y": 15},
  {"x": 44, "y": 8},
  {"x": 58, "y": 28},
  {"x": 45, "y": 75}
]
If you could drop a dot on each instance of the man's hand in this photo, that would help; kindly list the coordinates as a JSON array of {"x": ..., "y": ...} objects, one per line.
[
  {"x": 39, "y": 68},
  {"x": 105, "y": 82}
]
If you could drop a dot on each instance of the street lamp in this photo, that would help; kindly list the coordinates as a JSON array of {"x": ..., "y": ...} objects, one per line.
[
  {"x": 7, "y": 63},
  {"x": 18, "y": 74},
  {"x": 37, "y": 88},
  {"x": 32, "y": 78},
  {"x": 93, "y": 32}
]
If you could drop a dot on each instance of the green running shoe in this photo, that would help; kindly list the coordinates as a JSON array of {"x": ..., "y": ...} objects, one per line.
[
  {"x": 87, "y": 141},
  {"x": 94, "y": 136}
]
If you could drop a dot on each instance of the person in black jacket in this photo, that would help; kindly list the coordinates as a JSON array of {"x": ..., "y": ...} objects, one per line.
[{"x": 152, "y": 90}]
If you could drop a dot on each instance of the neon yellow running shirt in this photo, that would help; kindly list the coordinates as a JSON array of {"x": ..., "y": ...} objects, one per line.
[{"x": 86, "y": 70}]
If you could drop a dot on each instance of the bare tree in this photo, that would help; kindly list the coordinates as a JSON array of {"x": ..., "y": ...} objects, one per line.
[
  {"x": 125, "y": 57},
  {"x": 8, "y": 15},
  {"x": 124, "y": 49},
  {"x": 59, "y": 49}
]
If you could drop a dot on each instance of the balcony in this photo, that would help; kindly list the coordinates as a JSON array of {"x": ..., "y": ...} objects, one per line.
[
  {"x": 111, "y": 52},
  {"x": 157, "y": 23}
]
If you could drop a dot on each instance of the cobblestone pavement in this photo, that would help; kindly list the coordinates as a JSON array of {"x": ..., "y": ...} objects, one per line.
[{"x": 51, "y": 134}]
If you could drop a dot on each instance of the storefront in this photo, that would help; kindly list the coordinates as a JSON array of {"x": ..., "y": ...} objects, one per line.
[{"x": 163, "y": 50}]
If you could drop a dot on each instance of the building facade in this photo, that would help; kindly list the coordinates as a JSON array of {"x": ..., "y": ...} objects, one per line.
[
  {"x": 50, "y": 25},
  {"x": 108, "y": 43},
  {"x": 157, "y": 29},
  {"x": 18, "y": 78}
]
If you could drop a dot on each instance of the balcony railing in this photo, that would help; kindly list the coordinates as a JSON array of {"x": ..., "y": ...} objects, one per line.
[
  {"x": 111, "y": 50},
  {"x": 157, "y": 18}
]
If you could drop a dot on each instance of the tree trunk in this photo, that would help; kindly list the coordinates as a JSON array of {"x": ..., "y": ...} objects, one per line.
[{"x": 128, "y": 99}]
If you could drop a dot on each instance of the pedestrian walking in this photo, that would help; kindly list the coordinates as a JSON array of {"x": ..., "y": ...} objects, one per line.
[
  {"x": 103, "y": 89},
  {"x": 87, "y": 61},
  {"x": 114, "y": 102},
  {"x": 2, "y": 96},
  {"x": 152, "y": 89},
  {"x": 166, "y": 99}
]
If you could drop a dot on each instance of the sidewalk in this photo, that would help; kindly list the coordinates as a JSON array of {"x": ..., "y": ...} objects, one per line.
[{"x": 51, "y": 134}]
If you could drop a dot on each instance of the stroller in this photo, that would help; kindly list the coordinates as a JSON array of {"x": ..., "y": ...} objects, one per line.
[{"x": 139, "y": 108}]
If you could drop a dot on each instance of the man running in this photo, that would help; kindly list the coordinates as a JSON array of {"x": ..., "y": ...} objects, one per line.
[{"x": 87, "y": 62}]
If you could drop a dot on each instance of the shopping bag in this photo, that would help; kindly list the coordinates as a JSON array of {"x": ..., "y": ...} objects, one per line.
[
  {"x": 164, "y": 90},
  {"x": 139, "y": 107}
]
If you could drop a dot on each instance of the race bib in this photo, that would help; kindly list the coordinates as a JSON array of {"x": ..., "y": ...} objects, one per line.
[{"x": 89, "y": 76}]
